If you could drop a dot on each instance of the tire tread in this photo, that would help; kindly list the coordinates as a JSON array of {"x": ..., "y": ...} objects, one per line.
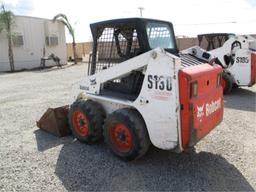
[{"x": 95, "y": 115}]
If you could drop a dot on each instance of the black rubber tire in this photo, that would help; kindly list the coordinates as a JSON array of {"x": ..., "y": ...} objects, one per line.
[
  {"x": 136, "y": 125},
  {"x": 235, "y": 86},
  {"x": 95, "y": 115},
  {"x": 228, "y": 81}
]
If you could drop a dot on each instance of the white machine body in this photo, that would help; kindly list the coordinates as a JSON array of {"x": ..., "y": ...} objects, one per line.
[
  {"x": 159, "y": 108},
  {"x": 159, "y": 99}
]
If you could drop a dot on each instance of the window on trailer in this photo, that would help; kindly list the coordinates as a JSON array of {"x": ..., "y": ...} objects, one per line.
[
  {"x": 51, "y": 40},
  {"x": 17, "y": 40}
]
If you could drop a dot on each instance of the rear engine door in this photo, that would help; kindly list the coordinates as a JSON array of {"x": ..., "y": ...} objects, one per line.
[{"x": 201, "y": 98}]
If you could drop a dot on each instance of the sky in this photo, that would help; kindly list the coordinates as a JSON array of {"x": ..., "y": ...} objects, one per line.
[{"x": 190, "y": 17}]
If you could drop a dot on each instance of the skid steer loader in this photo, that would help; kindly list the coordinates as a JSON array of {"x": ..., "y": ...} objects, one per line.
[
  {"x": 141, "y": 90},
  {"x": 235, "y": 54}
]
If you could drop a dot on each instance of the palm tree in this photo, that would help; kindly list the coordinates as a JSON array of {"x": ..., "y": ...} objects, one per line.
[
  {"x": 6, "y": 22},
  {"x": 63, "y": 18}
]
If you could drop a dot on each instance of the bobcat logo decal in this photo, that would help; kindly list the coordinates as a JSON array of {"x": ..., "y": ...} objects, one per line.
[
  {"x": 200, "y": 111},
  {"x": 208, "y": 109}
]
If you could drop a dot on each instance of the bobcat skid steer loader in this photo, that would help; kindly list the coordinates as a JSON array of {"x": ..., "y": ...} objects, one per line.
[
  {"x": 141, "y": 90},
  {"x": 236, "y": 54}
]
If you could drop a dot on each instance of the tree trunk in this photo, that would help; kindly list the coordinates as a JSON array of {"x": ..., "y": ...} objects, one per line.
[
  {"x": 74, "y": 52},
  {"x": 10, "y": 53}
]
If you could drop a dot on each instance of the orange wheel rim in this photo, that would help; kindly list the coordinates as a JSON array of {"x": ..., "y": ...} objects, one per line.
[
  {"x": 80, "y": 123},
  {"x": 121, "y": 137}
]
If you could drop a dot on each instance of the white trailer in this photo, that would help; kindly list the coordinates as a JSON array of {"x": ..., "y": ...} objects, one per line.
[{"x": 33, "y": 39}]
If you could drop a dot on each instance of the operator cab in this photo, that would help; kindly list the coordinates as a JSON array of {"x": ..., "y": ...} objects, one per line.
[
  {"x": 118, "y": 40},
  {"x": 115, "y": 41},
  {"x": 212, "y": 41}
]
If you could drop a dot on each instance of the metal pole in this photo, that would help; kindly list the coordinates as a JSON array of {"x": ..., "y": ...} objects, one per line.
[{"x": 141, "y": 10}]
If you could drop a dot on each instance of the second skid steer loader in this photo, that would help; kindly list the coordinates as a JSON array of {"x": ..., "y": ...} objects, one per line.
[
  {"x": 236, "y": 54},
  {"x": 141, "y": 90}
]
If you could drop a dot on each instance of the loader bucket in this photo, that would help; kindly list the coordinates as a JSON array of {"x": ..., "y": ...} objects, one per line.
[{"x": 55, "y": 121}]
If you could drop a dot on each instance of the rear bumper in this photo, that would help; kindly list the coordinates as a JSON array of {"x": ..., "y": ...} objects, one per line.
[{"x": 206, "y": 114}]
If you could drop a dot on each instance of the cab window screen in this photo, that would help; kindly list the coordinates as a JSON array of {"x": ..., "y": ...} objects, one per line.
[{"x": 160, "y": 35}]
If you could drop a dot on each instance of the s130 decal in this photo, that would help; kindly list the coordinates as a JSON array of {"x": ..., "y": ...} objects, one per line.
[{"x": 159, "y": 82}]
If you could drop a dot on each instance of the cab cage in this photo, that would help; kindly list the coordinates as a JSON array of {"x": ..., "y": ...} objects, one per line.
[
  {"x": 115, "y": 41},
  {"x": 213, "y": 40}
]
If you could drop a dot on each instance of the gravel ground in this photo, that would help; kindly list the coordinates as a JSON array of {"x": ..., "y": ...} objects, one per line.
[{"x": 32, "y": 160}]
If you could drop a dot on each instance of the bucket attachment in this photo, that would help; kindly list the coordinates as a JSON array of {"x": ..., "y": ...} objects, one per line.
[{"x": 55, "y": 121}]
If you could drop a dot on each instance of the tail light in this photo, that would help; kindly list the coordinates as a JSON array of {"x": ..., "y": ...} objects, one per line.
[
  {"x": 218, "y": 83},
  {"x": 193, "y": 89}
]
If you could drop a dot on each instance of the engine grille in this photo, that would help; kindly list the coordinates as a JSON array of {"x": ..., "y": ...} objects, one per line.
[{"x": 189, "y": 60}]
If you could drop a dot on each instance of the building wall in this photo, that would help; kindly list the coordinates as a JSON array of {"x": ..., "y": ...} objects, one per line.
[
  {"x": 184, "y": 43},
  {"x": 85, "y": 48},
  {"x": 34, "y": 32},
  {"x": 81, "y": 48}
]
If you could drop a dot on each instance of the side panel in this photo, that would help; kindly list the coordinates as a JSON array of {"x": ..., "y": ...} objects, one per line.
[
  {"x": 158, "y": 101},
  {"x": 253, "y": 68},
  {"x": 241, "y": 69},
  {"x": 185, "y": 110}
]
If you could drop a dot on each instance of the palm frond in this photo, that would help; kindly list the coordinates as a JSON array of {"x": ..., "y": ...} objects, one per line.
[
  {"x": 60, "y": 15},
  {"x": 63, "y": 19}
]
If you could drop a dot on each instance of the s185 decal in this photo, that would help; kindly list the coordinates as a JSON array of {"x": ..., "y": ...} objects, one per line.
[{"x": 242, "y": 60}]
